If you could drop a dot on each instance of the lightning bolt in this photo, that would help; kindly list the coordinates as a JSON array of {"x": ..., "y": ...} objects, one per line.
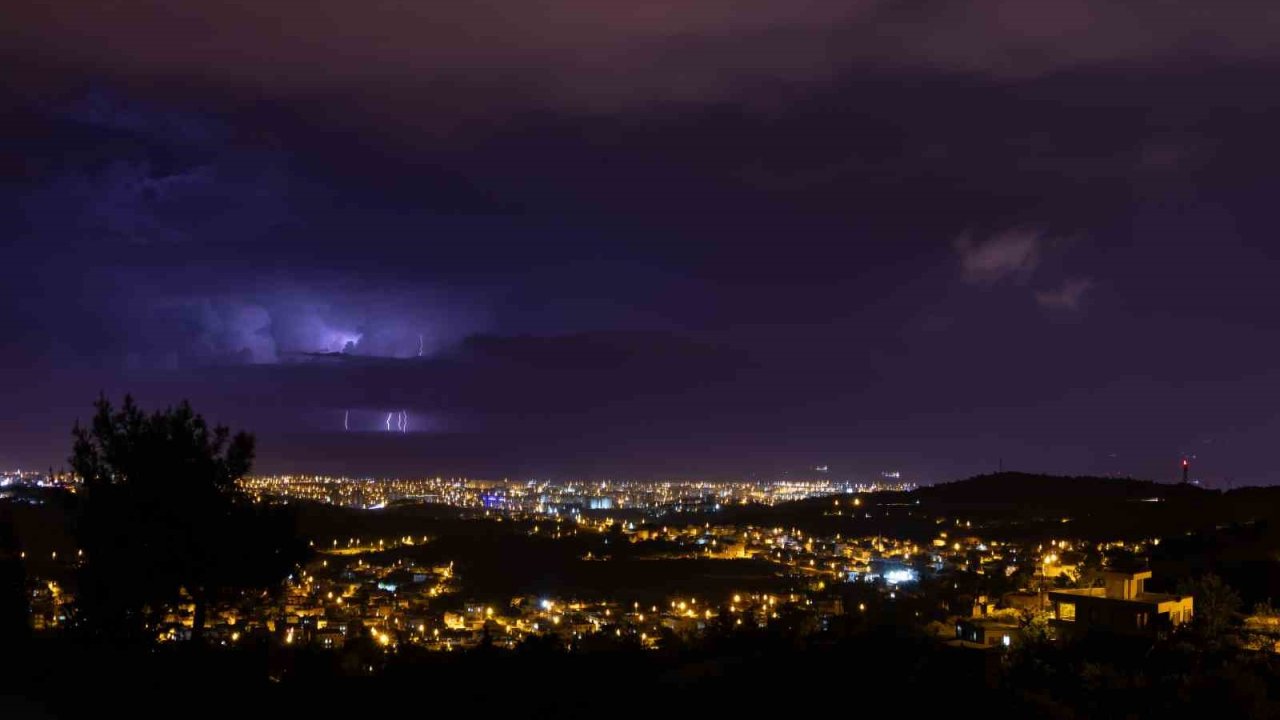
[
  {"x": 419, "y": 344},
  {"x": 404, "y": 421},
  {"x": 346, "y": 417},
  {"x": 389, "y": 421}
]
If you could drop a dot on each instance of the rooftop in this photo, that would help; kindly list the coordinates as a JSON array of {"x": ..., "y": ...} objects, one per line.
[{"x": 1142, "y": 597}]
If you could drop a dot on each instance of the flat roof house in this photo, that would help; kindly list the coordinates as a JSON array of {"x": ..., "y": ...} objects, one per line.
[{"x": 1122, "y": 606}]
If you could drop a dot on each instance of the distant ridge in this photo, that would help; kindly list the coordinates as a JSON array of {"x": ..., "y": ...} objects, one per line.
[
  {"x": 1008, "y": 505},
  {"x": 1020, "y": 487}
]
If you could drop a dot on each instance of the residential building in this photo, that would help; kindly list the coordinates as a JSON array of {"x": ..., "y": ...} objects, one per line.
[{"x": 1122, "y": 606}]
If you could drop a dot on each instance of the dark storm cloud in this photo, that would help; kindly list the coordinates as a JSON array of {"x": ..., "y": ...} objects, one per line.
[
  {"x": 171, "y": 223},
  {"x": 106, "y": 170},
  {"x": 510, "y": 389},
  {"x": 135, "y": 202},
  {"x": 103, "y": 109},
  {"x": 639, "y": 238},
  {"x": 620, "y": 51}
]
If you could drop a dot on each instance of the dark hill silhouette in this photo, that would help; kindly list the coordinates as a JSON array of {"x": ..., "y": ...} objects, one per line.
[
  {"x": 1026, "y": 505},
  {"x": 1020, "y": 487}
]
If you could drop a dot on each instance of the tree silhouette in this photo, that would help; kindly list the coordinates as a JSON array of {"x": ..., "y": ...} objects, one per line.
[
  {"x": 162, "y": 520},
  {"x": 1216, "y": 606}
]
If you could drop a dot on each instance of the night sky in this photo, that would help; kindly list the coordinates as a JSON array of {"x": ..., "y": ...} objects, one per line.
[{"x": 651, "y": 239}]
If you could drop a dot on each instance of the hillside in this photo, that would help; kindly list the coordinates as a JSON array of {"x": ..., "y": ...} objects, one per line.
[
  {"x": 1020, "y": 488},
  {"x": 1028, "y": 506}
]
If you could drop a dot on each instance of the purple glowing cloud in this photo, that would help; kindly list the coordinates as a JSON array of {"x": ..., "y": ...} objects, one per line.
[
  {"x": 1011, "y": 255},
  {"x": 1066, "y": 297}
]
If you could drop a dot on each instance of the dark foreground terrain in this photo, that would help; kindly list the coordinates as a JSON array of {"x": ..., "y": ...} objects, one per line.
[{"x": 751, "y": 675}]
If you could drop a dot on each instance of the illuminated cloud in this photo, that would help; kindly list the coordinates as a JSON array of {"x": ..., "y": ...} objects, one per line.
[
  {"x": 1011, "y": 255},
  {"x": 291, "y": 325},
  {"x": 1066, "y": 297}
]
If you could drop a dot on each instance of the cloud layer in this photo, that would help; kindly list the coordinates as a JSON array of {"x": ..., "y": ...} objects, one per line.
[
  {"x": 355, "y": 189},
  {"x": 287, "y": 322},
  {"x": 611, "y": 51}
]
